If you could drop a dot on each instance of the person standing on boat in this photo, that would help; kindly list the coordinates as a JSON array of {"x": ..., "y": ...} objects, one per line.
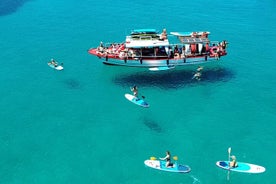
[
  {"x": 101, "y": 47},
  {"x": 134, "y": 89},
  {"x": 168, "y": 159}
]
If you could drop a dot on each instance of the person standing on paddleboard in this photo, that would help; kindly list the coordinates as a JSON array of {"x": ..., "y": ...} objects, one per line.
[{"x": 168, "y": 159}]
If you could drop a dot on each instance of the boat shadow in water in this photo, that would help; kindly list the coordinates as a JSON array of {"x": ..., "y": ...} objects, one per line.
[
  {"x": 8, "y": 7},
  {"x": 174, "y": 79},
  {"x": 152, "y": 125}
]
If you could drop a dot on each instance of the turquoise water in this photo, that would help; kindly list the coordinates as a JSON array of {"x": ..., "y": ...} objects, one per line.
[{"x": 75, "y": 126}]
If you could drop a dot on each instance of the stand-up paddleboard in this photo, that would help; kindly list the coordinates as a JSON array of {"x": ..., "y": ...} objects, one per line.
[
  {"x": 161, "y": 68},
  {"x": 242, "y": 167},
  {"x": 161, "y": 165},
  {"x": 136, "y": 100},
  {"x": 59, "y": 67}
]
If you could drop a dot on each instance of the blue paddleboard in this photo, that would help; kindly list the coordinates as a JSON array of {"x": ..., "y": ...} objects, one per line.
[
  {"x": 242, "y": 167},
  {"x": 136, "y": 100},
  {"x": 161, "y": 165}
]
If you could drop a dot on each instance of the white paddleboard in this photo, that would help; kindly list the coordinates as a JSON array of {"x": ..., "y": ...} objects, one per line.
[
  {"x": 242, "y": 167},
  {"x": 59, "y": 67},
  {"x": 161, "y": 165},
  {"x": 136, "y": 100}
]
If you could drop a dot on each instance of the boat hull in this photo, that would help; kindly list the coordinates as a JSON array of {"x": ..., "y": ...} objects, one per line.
[{"x": 152, "y": 62}]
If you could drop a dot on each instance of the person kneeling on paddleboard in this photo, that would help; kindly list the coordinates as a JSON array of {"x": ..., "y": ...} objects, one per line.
[
  {"x": 233, "y": 163},
  {"x": 134, "y": 89},
  {"x": 168, "y": 159}
]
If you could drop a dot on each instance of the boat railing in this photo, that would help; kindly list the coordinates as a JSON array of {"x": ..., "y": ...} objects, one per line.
[{"x": 144, "y": 37}]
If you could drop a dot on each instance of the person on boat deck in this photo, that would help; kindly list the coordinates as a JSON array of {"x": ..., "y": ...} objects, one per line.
[
  {"x": 134, "y": 89},
  {"x": 53, "y": 62},
  {"x": 101, "y": 47},
  {"x": 194, "y": 34},
  {"x": 204, "y": 34},
  {"x": 163, "y": 35},
  {"x": 176, "y": 51},
  {"x": 233, "y": 163},
  {"x": 168, "y": 159},
  {"x": 183, "y": 51}
]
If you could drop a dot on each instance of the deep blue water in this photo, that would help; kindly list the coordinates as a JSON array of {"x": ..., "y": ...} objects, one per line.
[{"x": 75, "y": 126}]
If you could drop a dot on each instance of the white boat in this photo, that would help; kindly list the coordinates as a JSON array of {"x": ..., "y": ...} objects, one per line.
[{"x": 147, "y": 48}]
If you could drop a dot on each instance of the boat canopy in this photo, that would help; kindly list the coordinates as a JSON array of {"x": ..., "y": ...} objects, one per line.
[
  {"x": 140, "y": 38},
  {"x": 130, "y": 43},
  {"x": 143, "y": 31},
  {"x": 192, "y": 37},
  {"x": 189, "y": 34}
]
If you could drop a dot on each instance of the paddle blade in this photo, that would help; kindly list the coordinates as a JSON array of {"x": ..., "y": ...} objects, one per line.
[
  {"x": 153, "y": 158},
  {"x": 175, "y": 158},
  {"x": 229, "y": 150}
]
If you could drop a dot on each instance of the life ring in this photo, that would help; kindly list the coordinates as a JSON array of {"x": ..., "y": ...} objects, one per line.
[{"x": 214, "y": 51}]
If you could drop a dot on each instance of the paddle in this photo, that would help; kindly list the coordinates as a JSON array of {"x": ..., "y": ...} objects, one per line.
[
  {"x": 229, "y": 152},
  {"x": 154, "y": 158}
]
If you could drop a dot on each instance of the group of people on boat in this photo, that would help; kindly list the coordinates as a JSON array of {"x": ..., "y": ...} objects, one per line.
[
  {"x": 154, "y": 46},
  {"x": 177, "y": 51}
]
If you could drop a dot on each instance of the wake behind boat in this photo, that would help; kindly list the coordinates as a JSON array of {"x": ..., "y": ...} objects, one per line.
[{"x": 148, "y": 48}]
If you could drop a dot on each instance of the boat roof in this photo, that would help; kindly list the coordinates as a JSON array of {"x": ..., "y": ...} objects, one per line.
[
  {"x": 150, "y": 38},
  {"x": 199, "y": 33},
  {"x": 187, "y": 37},
  {"x": 144, "y": 31},
  {"x": 133, "y": 43},
  {"x": 145, "y": 38}
]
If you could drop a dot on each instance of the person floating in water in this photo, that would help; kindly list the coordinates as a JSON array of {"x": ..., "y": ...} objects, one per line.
[
  {"x": 198, "y": 74},
  {"x": 168, "y": 159},
  {"x": 134, "y": 89},
  {"x": 199, "y": 68}
]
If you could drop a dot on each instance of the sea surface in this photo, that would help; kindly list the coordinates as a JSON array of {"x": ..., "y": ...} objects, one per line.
[{"x": 75, "y": 126}]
